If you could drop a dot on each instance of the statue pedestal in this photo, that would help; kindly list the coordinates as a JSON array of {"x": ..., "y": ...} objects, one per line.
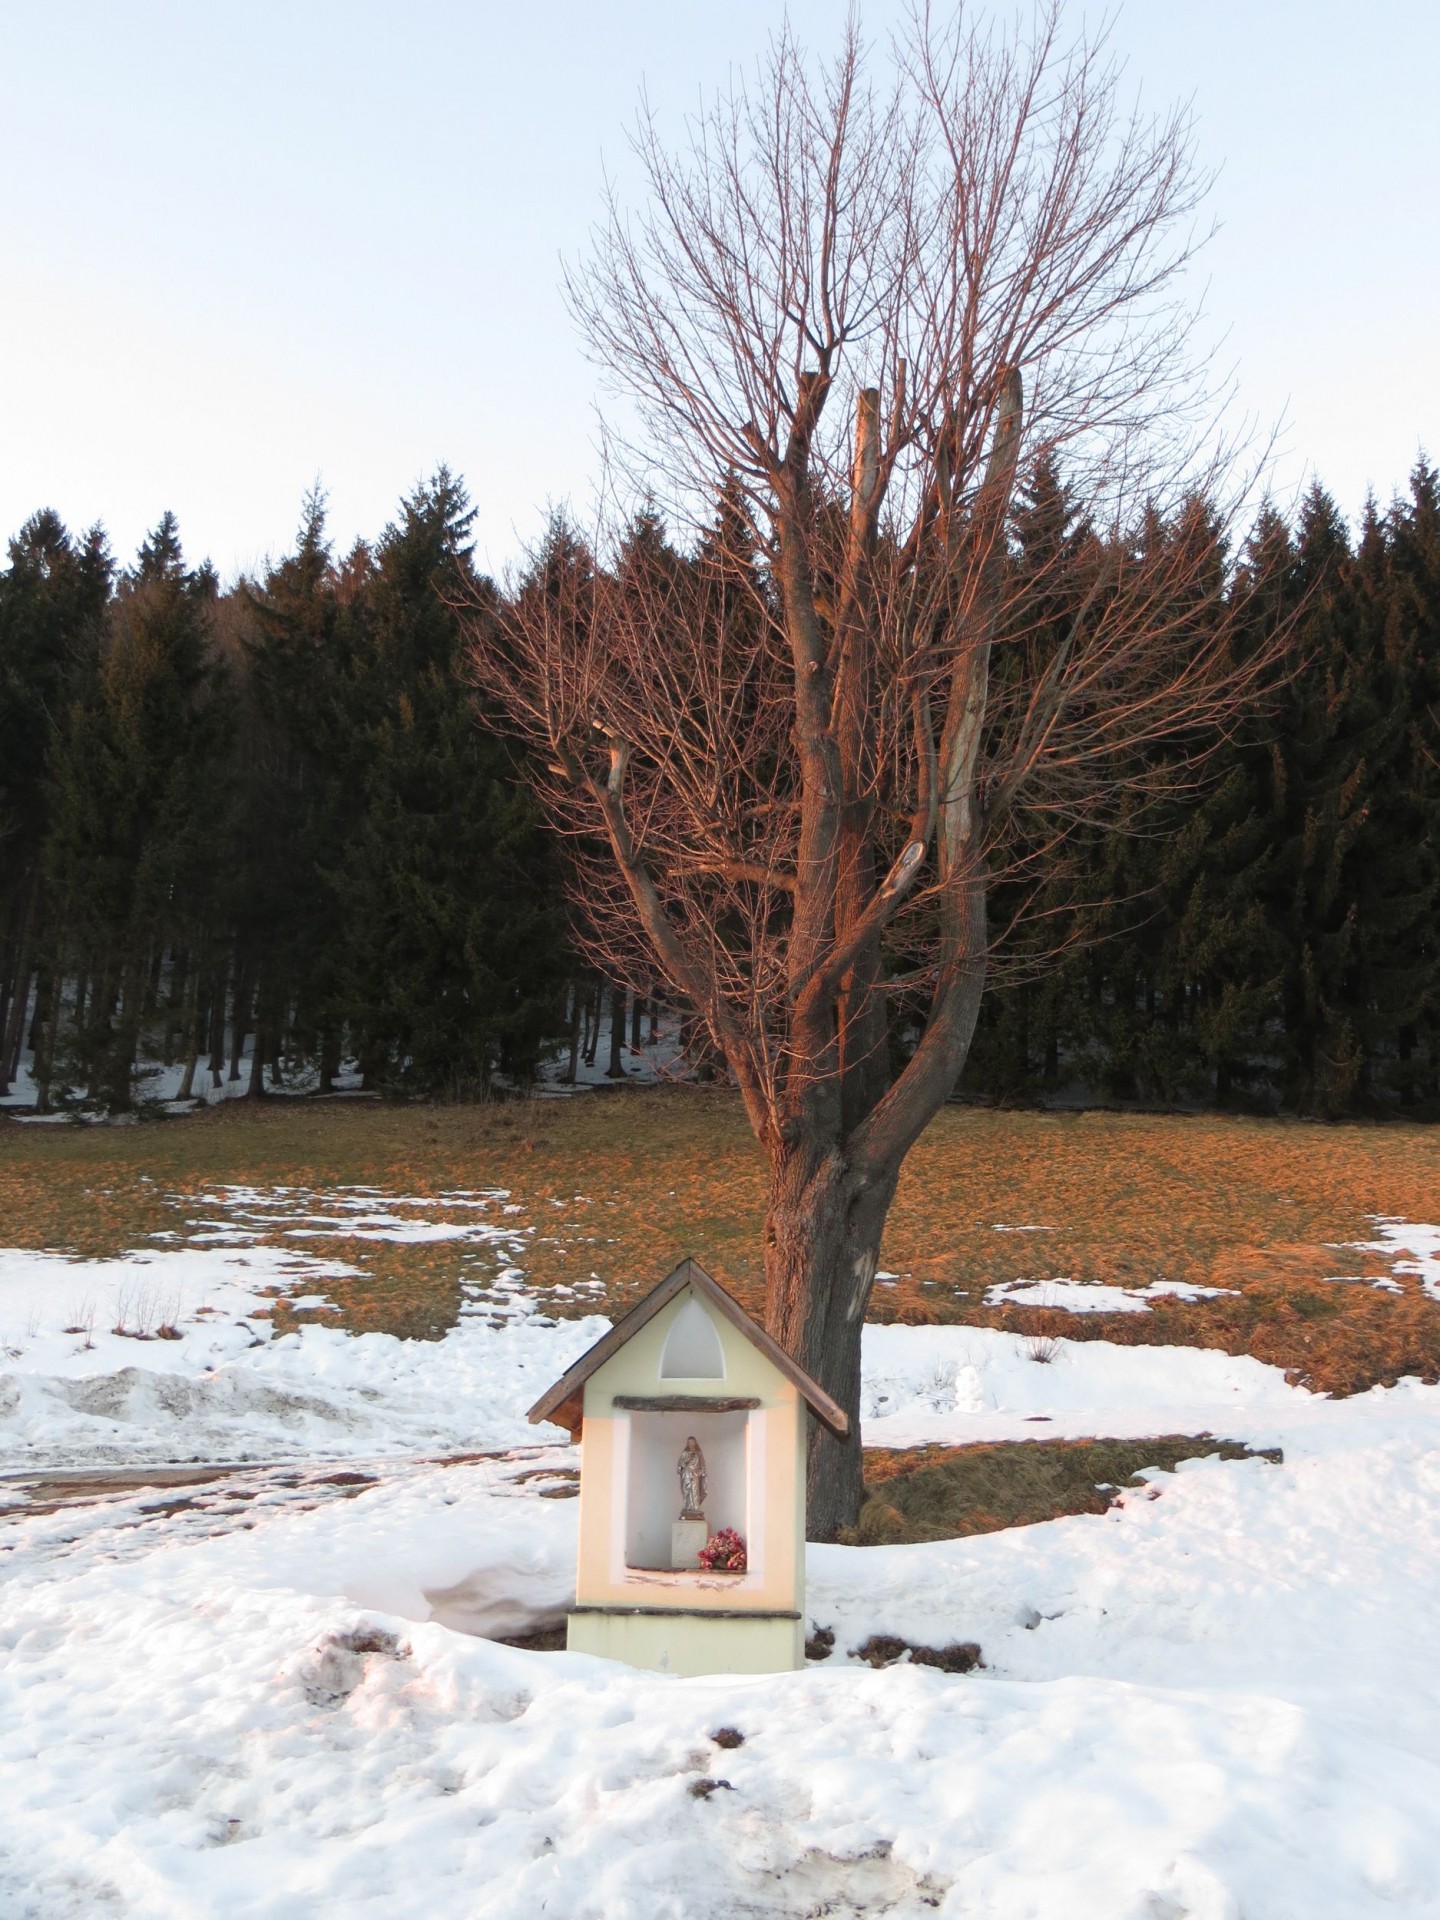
[{"x": 687, "y": 1537}]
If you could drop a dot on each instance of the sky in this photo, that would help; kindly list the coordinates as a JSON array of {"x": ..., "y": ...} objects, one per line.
[{"x": 252, "y": 248}]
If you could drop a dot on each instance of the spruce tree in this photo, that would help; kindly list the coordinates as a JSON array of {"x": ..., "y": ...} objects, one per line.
[
  {"x": 456, "y": 956},
  {"x": 134, "y": 782},
  {"x": 52, "y": 602}
]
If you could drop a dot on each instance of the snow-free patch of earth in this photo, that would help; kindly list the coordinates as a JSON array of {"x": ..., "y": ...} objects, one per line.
[{"x": 265, "y": 1696}]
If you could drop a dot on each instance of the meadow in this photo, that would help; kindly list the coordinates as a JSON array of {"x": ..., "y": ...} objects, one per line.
[{"x": 605, "y": 1192}]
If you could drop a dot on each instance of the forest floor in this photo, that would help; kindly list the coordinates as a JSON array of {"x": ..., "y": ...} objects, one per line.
[{"x": 1280, "y": 1239}]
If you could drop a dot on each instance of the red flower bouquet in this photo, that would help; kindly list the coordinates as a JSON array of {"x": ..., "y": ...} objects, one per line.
[{"x": 723, "y": 1552}]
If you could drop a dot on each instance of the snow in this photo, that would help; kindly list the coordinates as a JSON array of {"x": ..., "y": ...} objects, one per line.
[
  {"x": 230, "y": 1389},
  {"x": 265, "y": 1695},
  {"x": 954, "y": 1386},
  {"x": 1421, "y": 1243},
  {"x": 1220, "y": 1701},
  {"x": 158, "y": 1083},
  {"x": 1090, "y": 1296}
]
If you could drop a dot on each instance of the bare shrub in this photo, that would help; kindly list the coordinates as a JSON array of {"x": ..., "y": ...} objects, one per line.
[
  {"x": 1042, "y": 1348},
  {"x": 82, "y": 1321}
]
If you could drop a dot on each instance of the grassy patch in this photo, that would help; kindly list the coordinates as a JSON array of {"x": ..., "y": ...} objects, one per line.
[
  {"x": 620, "y": 1186},
  {"x": 947, "y": 1493}
]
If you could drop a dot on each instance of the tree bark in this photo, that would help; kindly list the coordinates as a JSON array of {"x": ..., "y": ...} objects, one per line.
[
  {"x": 616, "y": 1069},
  {"x": 117, "y": 1087},
  {"x": 329, "y": 1057},
  {"x": 572, "y": 1065},
  {"x": 13, "y": 1044},
  {"x": 240, "y": 1017},
  {"x": 194, "y": 1021},
  {"x": 45, "y": 1057},
  {"x": 256, "y": 1088},
  {"x": 218, "y": 983},
  {"x": 593, "y": 1003},
  {"x": 823, "y": 1227}
]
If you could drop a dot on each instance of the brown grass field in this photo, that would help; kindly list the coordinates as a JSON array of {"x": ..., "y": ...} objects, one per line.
[{"x": 621, "y": 1185}]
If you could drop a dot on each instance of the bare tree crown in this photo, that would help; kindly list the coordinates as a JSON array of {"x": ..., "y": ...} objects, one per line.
[{"x": 850, "y": 318}]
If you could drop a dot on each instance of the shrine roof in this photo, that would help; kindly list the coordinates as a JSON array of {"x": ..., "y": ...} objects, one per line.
[{"x": 563, "y": 1402}]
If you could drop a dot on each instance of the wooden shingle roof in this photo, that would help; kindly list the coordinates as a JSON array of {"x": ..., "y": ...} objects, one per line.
[{"x": 564, "y": 1402}]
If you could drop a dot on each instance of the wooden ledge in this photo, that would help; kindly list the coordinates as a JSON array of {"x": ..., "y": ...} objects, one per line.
[
  {"x": 698, "y": 1613},
  {"x": 683, "y": 1403}
]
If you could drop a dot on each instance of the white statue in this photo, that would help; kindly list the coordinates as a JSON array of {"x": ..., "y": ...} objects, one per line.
[{"x": 691, "y": 1469}]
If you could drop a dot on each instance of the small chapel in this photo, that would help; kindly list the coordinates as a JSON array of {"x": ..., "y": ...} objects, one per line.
[{"x": 692, "y": 1425}]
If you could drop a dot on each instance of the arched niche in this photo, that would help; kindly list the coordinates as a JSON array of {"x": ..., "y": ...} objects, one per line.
[{"x": 692, "y": 1346}]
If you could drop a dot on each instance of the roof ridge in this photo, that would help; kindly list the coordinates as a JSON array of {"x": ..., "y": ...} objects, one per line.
[{"x": 568, "y": 1389}]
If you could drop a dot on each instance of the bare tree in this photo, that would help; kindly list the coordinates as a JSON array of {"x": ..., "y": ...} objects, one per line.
[{"x": 853, "y": 315}]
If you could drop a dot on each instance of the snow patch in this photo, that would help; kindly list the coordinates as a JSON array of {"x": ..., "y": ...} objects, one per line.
[{"x": 1086, "y": 1296}]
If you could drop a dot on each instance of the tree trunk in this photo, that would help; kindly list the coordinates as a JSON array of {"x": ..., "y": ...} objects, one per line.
[
  {"x": 329, "y": 1057},
  {"x": 240, "y": 1017},
  {"x": 178, "y": 1006},
  {"x": 194, "y": 1024},
  {"x": 12, "y": 1046},
  {"x": 45, "y": 1057},
  {"x": 637, "y": 1017},
  {"x": 593, "y": 1004},
  {"x": 7, "y": 988},
  {"x": 218, "y": 983},
  {"x": 117, "y": 1088},
  {"x": 256, "y": 1088},
  {"x": 822, "y": 1246},
  {"x": 573, "y": 1064},
  {"x": 149, "y": 1005},
  {"x": 616, "y": 1068}
]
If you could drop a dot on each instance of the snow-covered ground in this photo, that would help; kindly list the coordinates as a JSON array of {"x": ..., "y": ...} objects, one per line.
[
  {"x": 158, "y": 1084},
  {"x": 168, "y": 1353},
  {"x": 1405, "y": 1246},
  {"x": 265, "y": 1696},
  {"x": 1092, "y": 1296}
]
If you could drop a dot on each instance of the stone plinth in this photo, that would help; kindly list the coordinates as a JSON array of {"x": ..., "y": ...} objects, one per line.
[{"x": 687, "y": 1537}]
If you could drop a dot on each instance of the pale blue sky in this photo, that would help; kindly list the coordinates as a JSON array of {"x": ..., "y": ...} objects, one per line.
[{"x": 251, "y": 245}]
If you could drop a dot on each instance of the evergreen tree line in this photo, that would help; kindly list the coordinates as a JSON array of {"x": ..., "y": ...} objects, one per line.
[
  {"x": 1271, "y": 942},
  {"x": 274, "y": 822},
  {"x": 264, "y": 826}
]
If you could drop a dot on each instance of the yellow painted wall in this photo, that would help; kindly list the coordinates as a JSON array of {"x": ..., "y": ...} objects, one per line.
[{"x": 684, "y": 1644}]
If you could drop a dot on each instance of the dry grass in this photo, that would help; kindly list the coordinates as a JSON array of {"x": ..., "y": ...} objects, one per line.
[
  {"x": 622, "y": 1185},
  {"x": 946, "y": 1493}
]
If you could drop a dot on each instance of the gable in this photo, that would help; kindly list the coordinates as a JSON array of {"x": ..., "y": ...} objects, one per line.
[
  {"x": 692, "y": 1349},
  {"x": 564, "y": 1401}
]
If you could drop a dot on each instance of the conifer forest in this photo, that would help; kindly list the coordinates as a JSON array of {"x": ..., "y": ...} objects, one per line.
[{"x": 273, "y": 832}]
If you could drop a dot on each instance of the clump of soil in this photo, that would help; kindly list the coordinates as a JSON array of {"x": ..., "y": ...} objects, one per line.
[
  {"x": 884, "y": 1649},
  {"x": 542, "y": 1640},
  {"x": 938, "y": 1493}
]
